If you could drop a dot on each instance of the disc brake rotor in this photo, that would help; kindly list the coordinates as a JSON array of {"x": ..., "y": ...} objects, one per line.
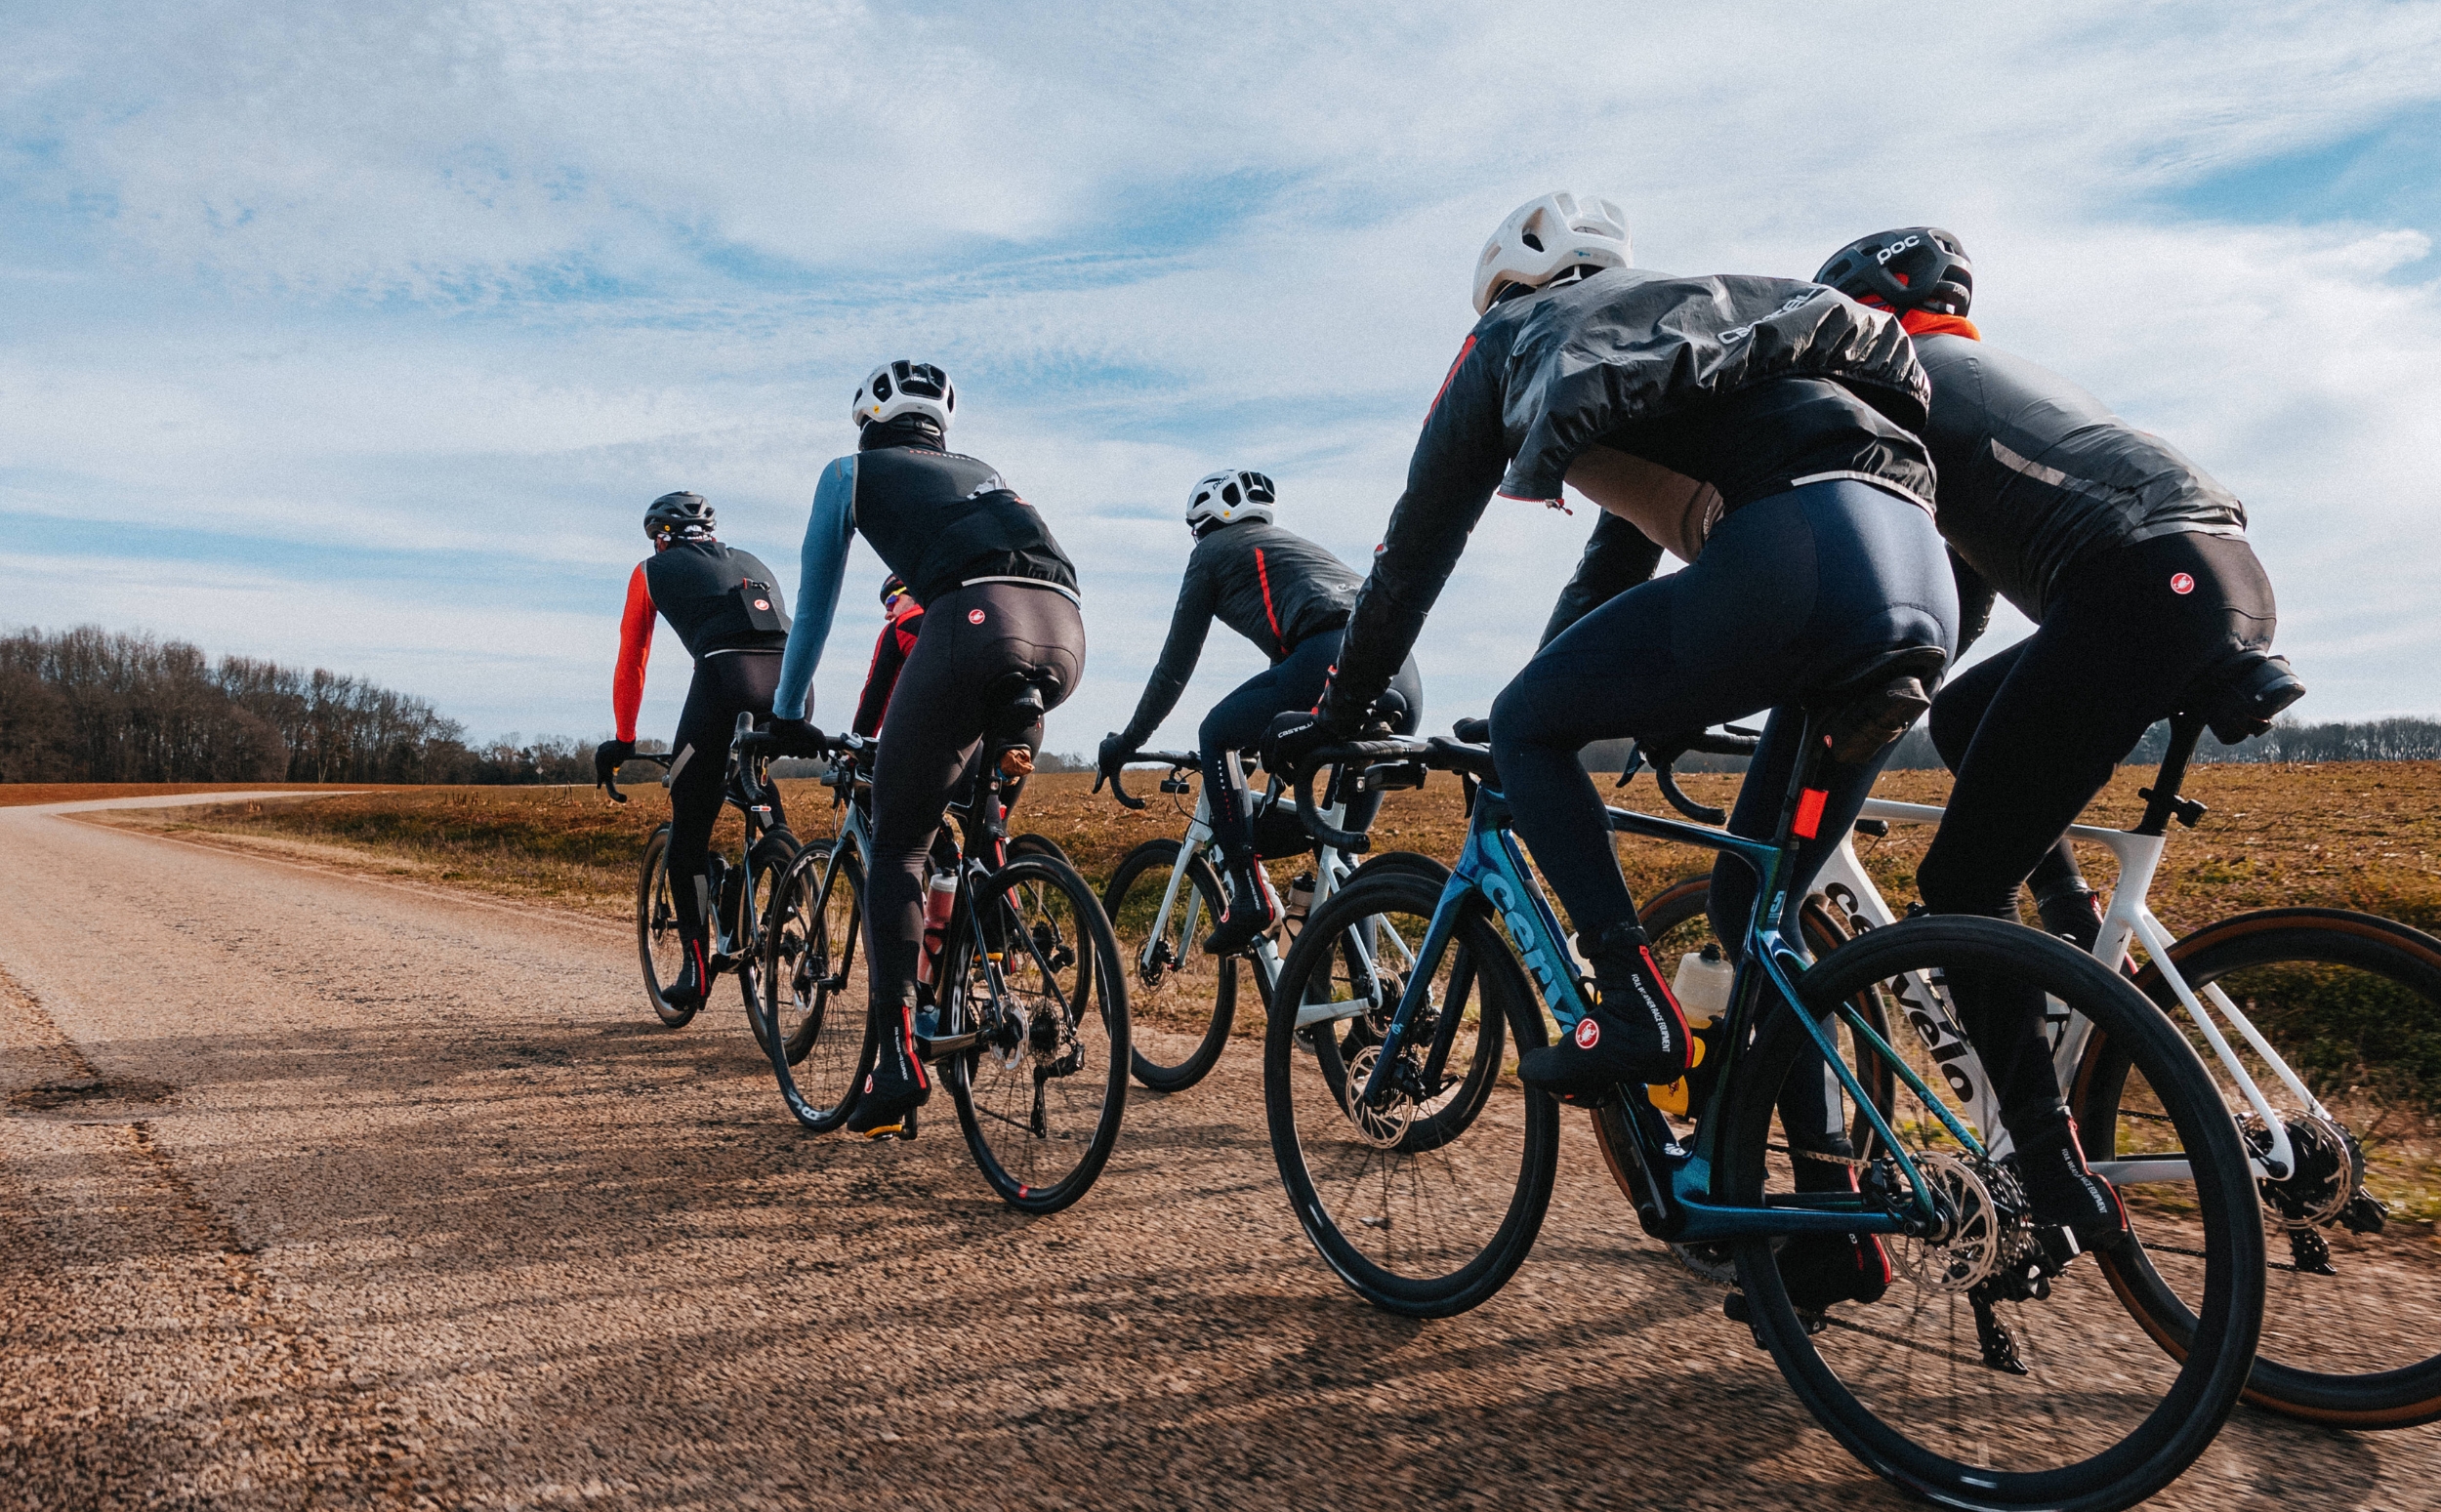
[
  {"x": 2329, "y": 1168},
  {"x": 1384, "y": 1127},
  {"x": 1972, "y": 1247}
]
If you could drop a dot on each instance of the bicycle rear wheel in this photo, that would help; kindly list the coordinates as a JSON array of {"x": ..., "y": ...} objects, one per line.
[
  {"x": 1180, "y": 1002},
  {"x": 1041, "y": 1093},
  {"x": 815, "y": 1024},
  {"x": 2352, "y": 1300},
  {"x": 1998, "y": 1371},
  {"x": 657, "y": 944},
  {"x": 1428, "y": 1204}
]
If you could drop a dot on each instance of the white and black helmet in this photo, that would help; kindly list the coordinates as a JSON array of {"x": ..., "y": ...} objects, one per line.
[
  {"x": 1542, "y": 239},
  {"x": 905, "y": 388},
  {"x": 1226, "y": 497}
]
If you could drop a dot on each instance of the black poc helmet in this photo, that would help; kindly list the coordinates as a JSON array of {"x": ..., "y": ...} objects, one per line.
[
  {"x": 1913, "y": 267},
  {"x": 892, "y": 587},
  {"x": 680, "y": 514}
]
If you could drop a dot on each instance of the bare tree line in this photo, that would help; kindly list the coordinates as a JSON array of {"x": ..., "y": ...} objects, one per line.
[{"x": 90, "y": 704}]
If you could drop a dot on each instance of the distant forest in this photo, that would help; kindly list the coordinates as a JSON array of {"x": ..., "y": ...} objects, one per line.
[
  {"x": 2372, "y": 740},
  {"x": 88, "y": 704}
]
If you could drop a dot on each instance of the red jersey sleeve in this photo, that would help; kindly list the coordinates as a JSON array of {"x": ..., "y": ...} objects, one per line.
[{"x": 627, "y": 680}]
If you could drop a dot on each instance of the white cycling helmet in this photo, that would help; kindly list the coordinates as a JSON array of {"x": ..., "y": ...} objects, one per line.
[
  {"x": 1544, "y": 239},
  {"x": 904, "y": 388},
  {"x": 1226, "y": 497}
]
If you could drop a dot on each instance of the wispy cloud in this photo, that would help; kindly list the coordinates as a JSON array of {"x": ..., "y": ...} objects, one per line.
[{"x": 403, "y": 311}]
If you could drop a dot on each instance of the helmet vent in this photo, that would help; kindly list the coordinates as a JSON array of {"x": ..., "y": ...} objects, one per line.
[{"x": 1531, "y": 240}]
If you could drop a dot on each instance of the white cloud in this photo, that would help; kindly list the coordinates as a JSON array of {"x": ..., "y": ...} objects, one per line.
[{"x": 470, "y": 282}]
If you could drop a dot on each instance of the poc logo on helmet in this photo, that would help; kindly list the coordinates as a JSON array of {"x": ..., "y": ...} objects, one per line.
[{"x": 1896, "y": 248}]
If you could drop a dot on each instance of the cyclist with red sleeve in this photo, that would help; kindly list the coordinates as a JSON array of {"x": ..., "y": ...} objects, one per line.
[
  {"x": 890, "y": 649},
  {"x": 726, "y": 608}
]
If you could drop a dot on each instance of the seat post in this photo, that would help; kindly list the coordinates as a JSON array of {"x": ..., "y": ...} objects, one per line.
[{"x": 2162, "y": 800}]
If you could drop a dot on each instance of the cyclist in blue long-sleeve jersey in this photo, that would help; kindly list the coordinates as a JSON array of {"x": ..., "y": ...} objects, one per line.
[{"x": 1001, "y": 605}]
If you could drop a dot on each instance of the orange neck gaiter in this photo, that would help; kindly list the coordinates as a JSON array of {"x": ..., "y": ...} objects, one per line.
[{"x": 1925, "y": 322}]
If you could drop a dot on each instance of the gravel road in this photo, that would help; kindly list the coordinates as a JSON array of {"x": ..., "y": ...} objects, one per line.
[{"x": 319, "y": 1191}]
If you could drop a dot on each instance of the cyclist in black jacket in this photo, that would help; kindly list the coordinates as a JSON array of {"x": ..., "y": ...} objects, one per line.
[
  {"x": 1000, "y": 610},
  {"x": 1290, "y": 598},
  {"x": 726, "y": 608},
  {"x": 2136, "y": 568}
]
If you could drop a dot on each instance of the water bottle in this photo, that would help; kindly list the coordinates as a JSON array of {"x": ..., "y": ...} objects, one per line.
[
  {"x": 938, "y": 898},
  {"x": 1702, "y": 984},
  {"x": 1299, "y": 901},
  {"x": 1702, "y": 987}
]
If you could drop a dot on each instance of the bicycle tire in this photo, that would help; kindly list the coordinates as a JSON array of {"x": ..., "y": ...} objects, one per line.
[
  {"x": 1473, "y": 1205},
  {"x": 810, "y": 959},
  {"x": 656, "y": 926},
  {"x": 766, "y": 862},
  {"x": 1031, "y": 844},
  {"x": 1172, "y": 984},
  {"x": 984, "y": 1082},
  {"x": 2172, "y": 1405},
  {"x": 2304, "y": 1311},
  {"x": 1415, "y": 862}
]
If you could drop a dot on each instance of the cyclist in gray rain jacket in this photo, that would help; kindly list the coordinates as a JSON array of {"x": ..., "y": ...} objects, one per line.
[
  {"x": 1290, "y": 598},
  {"x": 1767, "y": 426}
]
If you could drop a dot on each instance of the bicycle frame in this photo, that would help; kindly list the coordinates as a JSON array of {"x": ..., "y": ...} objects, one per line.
[
  {"x": 1331, "y": 872},
  {"x": 1493, "y": 865},
  {"x": 2129, "y": 921}
]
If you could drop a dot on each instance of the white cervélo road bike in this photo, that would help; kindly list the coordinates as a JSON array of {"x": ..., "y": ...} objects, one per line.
[
  {"x": 2352, "y": 1315},
  {"x": 1166, "y": 895}
]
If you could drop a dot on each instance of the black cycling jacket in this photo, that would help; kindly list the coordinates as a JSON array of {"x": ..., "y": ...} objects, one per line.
[
  {"x": 942, "y": 520},
  {"x": 1755, "y": 385},
  {"x": 709, "y": 592},
  {"x": 2035, "y": 474},
  {"x": 1271, "y": 586}
]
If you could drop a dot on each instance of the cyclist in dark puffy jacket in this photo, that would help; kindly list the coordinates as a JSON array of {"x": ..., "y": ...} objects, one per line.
[
  {"x": 1766, "y": 424},
  {"x": 726, "y": 608},
  {"x": 2133, "y": 565},
  {"x": 1289, "y": 596},
  {"x": 1001, "y": 611}
]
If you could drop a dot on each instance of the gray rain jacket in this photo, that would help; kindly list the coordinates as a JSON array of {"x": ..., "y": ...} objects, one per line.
[{"x": 1754, "y": 385}]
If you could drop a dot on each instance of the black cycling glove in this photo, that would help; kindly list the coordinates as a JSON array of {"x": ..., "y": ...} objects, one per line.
[
  {"x": 797, "y": 737},
  {"x": 609, "y": 757},
  {"x": 1294, "y": 736},
  {"x": 1115, "y": 751}
]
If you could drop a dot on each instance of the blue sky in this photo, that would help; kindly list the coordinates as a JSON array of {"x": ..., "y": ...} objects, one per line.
[{"x": 360, "y": 335}]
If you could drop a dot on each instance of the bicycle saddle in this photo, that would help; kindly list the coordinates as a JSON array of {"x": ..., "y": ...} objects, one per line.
[
  {"x": 1016, "y": 703},
  {"x": 2240, "y": 696},
  {"x": 1871, "y": 705}
]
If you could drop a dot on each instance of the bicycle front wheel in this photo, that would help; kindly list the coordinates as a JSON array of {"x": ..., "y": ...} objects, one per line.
[
  {"x": 659, "y": 947},
  {"x": 1427, "y": 1201},
  {"x": 815, "y": 1025},
  {"x": 2352, "y": 1300},
  {"x": 1997, "y": 1368},
  {"x": 1040, "y": 1091},
  {"x": 1180, "y": 1001}
]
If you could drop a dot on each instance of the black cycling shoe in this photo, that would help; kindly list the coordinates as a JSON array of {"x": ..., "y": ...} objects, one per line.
[
  {"x": 693, "y": 979},
  {"x": 1633, "y": 1036},
  {"x": 1824, "y": 1270},
  {"x": 2063, "y": 1192},
  {"x": 1253, "y": 909},
  {"x": 2074, "y": 913},
  {"x": 895, "y": 1088}
]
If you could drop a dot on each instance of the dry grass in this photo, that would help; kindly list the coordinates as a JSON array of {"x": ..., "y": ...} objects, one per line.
[{"x": 2354, "y": 836}]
